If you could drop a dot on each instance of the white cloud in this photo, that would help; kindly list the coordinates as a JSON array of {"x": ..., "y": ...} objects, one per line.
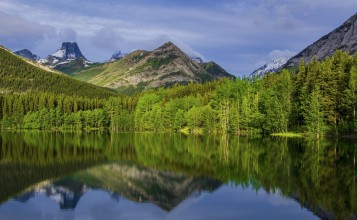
[
  {"x": 68, "y": 34},
  {"x": 188, "y": 49},
  {"x": 107, "y": 39},
  {"x": 19, "y": 33},
  {"x": 248, "y": 30}
]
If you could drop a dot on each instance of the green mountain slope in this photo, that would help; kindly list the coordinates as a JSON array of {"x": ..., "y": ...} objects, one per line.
[
  {"x": 71, "y": 66},
  {"x": 87, "y": 73},
  {"x": 18, "y": 75},
  {"x": 141, "y": 69},
  {"x": 215, "y": 69}
]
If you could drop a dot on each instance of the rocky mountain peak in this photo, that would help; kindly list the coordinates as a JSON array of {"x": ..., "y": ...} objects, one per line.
[
  {"x": 168, "y": 47},
  {"x": 342, "y": 38},
  {"x": 27, "y": 54},
  {"x": 69, "y": 50},
  {"x": 164, "y": 66}
]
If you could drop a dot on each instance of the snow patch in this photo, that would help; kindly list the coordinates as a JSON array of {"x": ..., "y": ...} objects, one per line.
[
  {"x": 71, "y": 56},
  {"x": 59, "y": 53},
  {"x": 54, "y": 61},
  {"x": 270, "y": 67},
  {"x": 42, "y": 61}
]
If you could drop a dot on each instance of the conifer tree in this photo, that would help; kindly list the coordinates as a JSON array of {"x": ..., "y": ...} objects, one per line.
[{"x": 314, "y": 115}]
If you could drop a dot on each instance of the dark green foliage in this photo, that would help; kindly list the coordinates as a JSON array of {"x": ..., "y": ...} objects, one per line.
[
  {"x": 72, "y": 66},
  {"x": 18, "y": 76},
  {"x": 87, "y": 73},
  {"x": 156, "y": 63},
  {"x": 313, "y": 114},
  {"x": 214, "y": 69},
  {"x": 329, "y": 80}
]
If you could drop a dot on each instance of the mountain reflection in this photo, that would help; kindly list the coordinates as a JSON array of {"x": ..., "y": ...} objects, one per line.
[
  {"x": 139, "y": 184},
  {"x": 166, "y": 169},
  {"x": 66, "y": 198}
]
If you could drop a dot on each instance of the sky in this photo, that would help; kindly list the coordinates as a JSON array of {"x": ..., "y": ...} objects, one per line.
[{"x": 239, "y": 35}]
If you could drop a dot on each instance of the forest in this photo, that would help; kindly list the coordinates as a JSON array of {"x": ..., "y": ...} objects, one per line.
[
  {"x": 319, "y": 98},
  {"x": 18, "y": 75}
]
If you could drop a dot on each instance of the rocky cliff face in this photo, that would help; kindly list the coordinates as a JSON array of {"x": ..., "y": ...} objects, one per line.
[
  {"x": 27, "y": 54},
  {"x": 343, "y": 38}
]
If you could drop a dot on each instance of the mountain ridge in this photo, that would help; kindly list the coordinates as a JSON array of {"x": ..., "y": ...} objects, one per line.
[
  {"x": 27, "y": 54},
  {"x": 164, "y": 66},
  {"x": 342, "y": 38}
]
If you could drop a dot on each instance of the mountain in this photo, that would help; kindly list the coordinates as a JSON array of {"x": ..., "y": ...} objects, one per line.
[
  {"x": 65, "y": 193},
  {"x": 342, "y": 38},
  {"x": 116, "y": 56},
  {"x": 27, "y": 54},
  {"x": 18, "y": 75},
  {"x": 270, "y": 67},
  {"x": 141, "y": 69},
  {"x": 215, "y": 70},
  {"x": 141, "y": 184},
  {"x": 122, "y": 180},
  {"x": 67, "y": 59}
]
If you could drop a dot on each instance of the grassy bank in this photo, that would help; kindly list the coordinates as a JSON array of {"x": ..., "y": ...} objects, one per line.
[{"x": 288, "y": 134}]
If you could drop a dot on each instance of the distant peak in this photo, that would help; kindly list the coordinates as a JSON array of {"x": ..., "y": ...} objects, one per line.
[
  {"x": 27, "y": 54},
  {"x": 69, "y": 44},
  {"x": 169, "y": 47},
  {"x": 23, "y": 50},
  {"x": 271, "y": 67},
  {"x": 69, "y": 50},
  {"x": 169, "y": 43},
  {"x": 116, "y": 56}
]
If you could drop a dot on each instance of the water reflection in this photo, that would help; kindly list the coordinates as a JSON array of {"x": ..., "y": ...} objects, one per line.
[
  {"x": 168, "y": 171},
  {"x": 138, "y": 184}
]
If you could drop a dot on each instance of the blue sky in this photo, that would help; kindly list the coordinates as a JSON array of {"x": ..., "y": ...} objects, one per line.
[{"x": 240, "y": 35}]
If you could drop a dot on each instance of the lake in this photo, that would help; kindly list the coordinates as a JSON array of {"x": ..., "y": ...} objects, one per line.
[{"x": 107, "y": 176}]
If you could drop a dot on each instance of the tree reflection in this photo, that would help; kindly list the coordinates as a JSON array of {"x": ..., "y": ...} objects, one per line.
[{"x": 320, "y": 174}]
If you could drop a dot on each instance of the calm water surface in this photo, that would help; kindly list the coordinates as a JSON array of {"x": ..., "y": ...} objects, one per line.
[{"x": 166, "y": 176}]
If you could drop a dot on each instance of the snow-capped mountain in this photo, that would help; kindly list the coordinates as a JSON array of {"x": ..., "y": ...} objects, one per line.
[
  {"x": 27, "y": 54},
  {"x": 117, "y": 56},
  {"x": 270, "y": 67},
  {"x": 67, "y": 53}
]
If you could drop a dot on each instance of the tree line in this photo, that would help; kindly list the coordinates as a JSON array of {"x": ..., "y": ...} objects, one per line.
[{"x": 319, "y": 99}]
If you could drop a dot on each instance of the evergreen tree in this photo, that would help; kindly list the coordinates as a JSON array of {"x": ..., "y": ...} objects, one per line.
[{"x": 314, "y": 115}]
